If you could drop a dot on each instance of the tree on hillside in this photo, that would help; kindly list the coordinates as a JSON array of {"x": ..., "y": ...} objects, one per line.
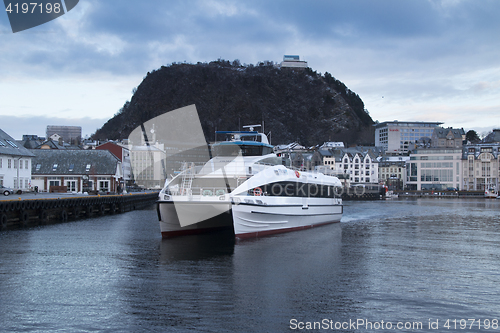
[{"x": 472, "y": 136}]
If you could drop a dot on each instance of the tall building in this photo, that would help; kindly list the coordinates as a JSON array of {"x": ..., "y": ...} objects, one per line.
[
  {"x": 69, "y": 134},
  {"x": 399, "y": 137}
]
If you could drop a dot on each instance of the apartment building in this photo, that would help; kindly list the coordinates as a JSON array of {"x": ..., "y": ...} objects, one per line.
[
  {"x": 481, "y": 166},
  {"x": 400, "y": 137}
]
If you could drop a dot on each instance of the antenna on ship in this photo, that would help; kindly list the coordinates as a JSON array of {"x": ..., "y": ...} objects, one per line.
[{"x": 251, "y": 127}]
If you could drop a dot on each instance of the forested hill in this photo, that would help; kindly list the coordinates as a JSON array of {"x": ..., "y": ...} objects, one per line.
[{"x": 295, "y": 105}]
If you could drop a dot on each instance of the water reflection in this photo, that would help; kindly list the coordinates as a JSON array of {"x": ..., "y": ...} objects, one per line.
[
  {"x": 289, "y": 276},
  {"x": 197, "y": 247}
]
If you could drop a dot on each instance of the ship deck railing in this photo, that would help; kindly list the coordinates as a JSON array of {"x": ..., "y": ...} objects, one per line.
[{"x": 203, "y": 191}]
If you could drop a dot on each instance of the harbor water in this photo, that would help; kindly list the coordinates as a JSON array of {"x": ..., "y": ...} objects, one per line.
[{"x": 407, "y": 265}]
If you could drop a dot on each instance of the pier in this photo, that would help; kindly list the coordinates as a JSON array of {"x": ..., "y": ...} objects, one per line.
[{"x": 20, "y": 212}]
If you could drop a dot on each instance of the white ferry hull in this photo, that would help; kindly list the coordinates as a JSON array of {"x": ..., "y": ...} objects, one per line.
[
  {"x": 254, "y": 220},
  {"x": 208, "y": 216}
]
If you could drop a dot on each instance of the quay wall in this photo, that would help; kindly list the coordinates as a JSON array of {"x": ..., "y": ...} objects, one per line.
[
  {"x": 362, "y": 193},
  {"x": 21, "y": 213},
  {"x": 440, "y": 194}
]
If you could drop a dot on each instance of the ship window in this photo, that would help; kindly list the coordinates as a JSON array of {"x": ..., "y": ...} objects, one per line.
[
  {"x": 245, "y": 150},
  {"x": 296, "y": 189}
]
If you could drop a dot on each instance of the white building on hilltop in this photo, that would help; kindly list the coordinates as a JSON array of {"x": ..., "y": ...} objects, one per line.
[{"x": 293, "y": 61}]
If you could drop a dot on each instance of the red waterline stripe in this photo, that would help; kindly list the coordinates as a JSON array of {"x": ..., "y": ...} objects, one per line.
[{"x": 177, "y": 233}]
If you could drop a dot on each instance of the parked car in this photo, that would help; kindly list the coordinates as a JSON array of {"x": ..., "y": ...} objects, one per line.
[{"x": 6, "y": 190}]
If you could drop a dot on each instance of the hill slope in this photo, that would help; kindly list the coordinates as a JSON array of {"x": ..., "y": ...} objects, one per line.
[{"x": 296, "y": 105}]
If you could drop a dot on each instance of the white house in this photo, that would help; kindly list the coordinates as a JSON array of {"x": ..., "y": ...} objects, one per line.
[
  {"x": 358, "y": 164},
  {"x": 15, "y": 163}
]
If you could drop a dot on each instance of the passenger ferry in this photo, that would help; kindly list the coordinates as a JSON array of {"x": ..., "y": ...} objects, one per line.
[{"x": 246, "y": 187}]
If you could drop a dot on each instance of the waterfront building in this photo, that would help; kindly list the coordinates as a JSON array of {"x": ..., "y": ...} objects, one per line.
[
  {"x": 481, "y": 166},
  {"x": 400, "y": 137},
  {"x": 356, "y": 164},
  {"x": 434, "y": 169},
  {"x": 392, "y": 171},
  {"x": 77, "y": 170},
  {"x": 15, "y": 163}
]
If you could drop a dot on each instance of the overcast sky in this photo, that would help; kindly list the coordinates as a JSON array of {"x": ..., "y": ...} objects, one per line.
[{"x": 412, "y": 60}]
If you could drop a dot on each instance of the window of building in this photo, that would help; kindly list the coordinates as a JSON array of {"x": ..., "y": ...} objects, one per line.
[
  {"x": 87, "y": 168},
  {"x": 104, "y": 185},
  {"x": 71, "y": 167},
  {"x": 12, "y": 144},
  {"x": 54, "y": 167},
  {"x": 9, "y": 163},
  {"x": 38, "y": 166},
  {"x": 26, "y": 164},
  {"x": 54, "y": 182}
]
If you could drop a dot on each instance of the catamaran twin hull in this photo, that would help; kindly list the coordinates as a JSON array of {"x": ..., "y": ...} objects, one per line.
[
  {"x": 248, "y": 218},
  {"x": 275, "y": 200}
]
